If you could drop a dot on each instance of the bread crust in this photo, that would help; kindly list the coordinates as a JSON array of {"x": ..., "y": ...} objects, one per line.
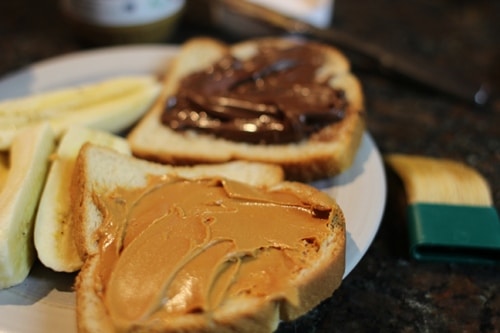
[
  {"x": 243, "y": 314},
  {"x": 326, "y": 153}
]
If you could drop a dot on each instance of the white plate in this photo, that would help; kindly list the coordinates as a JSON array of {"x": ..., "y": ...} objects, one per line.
[{"x": 44, "y": 302}]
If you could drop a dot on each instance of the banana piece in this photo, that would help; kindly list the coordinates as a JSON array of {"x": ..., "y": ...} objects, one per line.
[
  {"x": 110, "y": 105},
  {"x": 19, "y": 197},
  {"x": 53, "y": 226}
]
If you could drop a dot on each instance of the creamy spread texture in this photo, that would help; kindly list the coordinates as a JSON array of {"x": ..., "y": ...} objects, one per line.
[
  {"x": 273, "y": 98},
  {"x": 179, "y": 247}
]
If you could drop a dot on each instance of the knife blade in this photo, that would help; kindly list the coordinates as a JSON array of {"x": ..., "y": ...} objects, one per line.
[{"x": 387, "y": 62}]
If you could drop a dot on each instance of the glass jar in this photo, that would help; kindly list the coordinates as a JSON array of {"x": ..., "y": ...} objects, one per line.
[{"x": 105, "y": 22}]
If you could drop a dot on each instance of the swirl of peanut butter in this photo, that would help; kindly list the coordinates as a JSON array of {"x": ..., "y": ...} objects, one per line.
[
  {"x": 270, "y": 98},
  {"x": 180, "y": 247}
]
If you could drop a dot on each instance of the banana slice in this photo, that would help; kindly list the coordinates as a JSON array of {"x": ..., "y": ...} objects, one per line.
[
  {"x": 111, "y": 105},
  {"x": 29, "y": 162},
  {"x": 53, "y": 226}
]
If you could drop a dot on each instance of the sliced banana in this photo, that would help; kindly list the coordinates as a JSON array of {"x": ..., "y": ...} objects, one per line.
[
  {"x": 53, "y": 226},
  {"x": 111, "y": 105},
  {"x": 19, "y": 197}
]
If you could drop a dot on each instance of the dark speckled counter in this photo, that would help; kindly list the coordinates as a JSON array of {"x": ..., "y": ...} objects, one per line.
[{"x": 387, "y": 291}]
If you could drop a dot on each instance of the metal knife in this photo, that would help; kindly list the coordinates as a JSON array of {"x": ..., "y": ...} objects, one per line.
[{"x": 387, "y": 62}]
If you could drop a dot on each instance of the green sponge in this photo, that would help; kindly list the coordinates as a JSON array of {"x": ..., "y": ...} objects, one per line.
[{"x": 450, "y": 212}]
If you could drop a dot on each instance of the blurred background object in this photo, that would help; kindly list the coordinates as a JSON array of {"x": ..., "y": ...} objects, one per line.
[
  {"x": 215, "y": 13},
  {"x": 317, "y": 13},
  {"x": 122, "y": 21}
]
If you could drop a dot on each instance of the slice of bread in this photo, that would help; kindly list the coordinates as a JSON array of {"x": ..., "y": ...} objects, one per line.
[
  {"x": 102, "y": 176},
  {"x": 325, "y": 153}
]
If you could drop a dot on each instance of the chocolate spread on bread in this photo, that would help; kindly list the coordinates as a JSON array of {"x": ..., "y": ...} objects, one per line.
[{"x": 271, "y": 98}]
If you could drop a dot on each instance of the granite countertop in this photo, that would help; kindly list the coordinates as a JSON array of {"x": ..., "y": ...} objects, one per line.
[{"x": 387, "y": 291}]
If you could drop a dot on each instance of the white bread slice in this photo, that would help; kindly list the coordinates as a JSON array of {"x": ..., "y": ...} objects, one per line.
[
  {"x": 99, "y": 171},
  {"x": 53, "y": 236},
  {"x": 326, "y": 153},
  {"x": 19, "y": 197}
]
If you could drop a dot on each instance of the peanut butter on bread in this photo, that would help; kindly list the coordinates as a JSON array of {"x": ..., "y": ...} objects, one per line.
[
  {"x": 203, "y": 243},
  {"x": 204, "y": 254}
]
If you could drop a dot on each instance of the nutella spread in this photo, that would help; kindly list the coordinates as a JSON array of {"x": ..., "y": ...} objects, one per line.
[
  {"x": 271, "y": 98},
  {"x": 180, "y": 247}
]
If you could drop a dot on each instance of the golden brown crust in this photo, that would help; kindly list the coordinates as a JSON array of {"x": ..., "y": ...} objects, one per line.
[
  {"x": 77, "y": 191},
  {"x": 325, "y": 154},
  {"x": 91, "y": 314}
]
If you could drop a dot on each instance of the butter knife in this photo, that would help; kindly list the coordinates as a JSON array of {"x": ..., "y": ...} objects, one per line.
[{"x": 387, "y": 62}]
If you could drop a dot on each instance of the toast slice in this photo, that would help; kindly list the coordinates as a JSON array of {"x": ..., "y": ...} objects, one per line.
[
  {"x": 127, "y": 251},
  {"x": 325, "y": 153}
]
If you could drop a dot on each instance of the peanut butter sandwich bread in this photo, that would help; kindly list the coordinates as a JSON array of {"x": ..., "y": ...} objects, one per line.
[
  {"x": 289, "y": 102},
  {"x": 163, "y": 253}
]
